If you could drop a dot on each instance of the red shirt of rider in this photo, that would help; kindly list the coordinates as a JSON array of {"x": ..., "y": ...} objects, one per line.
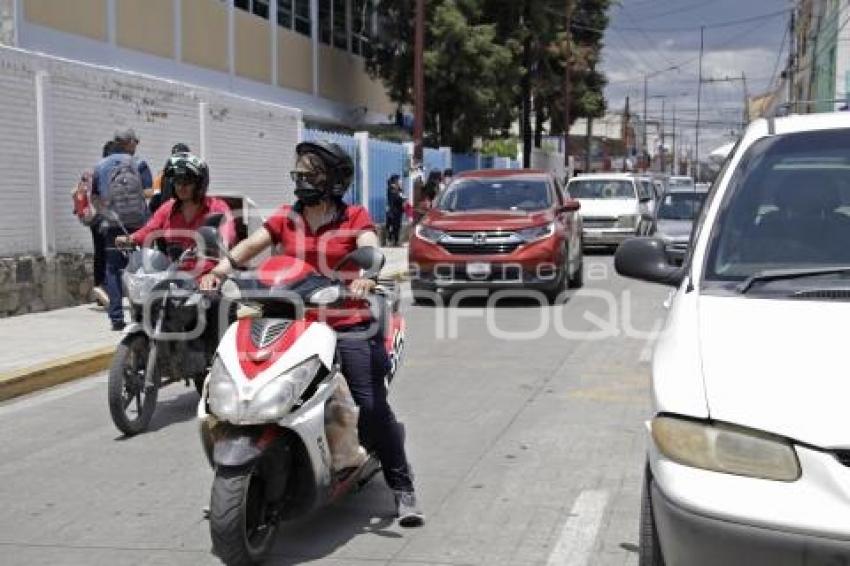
[
  {"x": 324, "y": 248},
  {"x": 169, "y": 223}
]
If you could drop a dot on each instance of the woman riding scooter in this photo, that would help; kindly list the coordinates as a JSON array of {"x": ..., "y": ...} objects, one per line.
[
  {"x": 177, "y": 220},
  {"x": 321, "y": 229}
]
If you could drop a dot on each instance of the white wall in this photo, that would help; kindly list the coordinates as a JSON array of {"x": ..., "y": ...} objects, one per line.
[{"x": 249, "y": 143}]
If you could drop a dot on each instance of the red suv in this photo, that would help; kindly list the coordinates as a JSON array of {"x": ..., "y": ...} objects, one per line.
[{"x": 498, "y": 229}]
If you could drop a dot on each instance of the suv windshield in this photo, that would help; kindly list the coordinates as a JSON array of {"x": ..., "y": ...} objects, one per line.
[
  {"x": 681, "y": 206},
  {"x": 788, "y": 206},
  {"x": 602, "y": 189},
  {"x": 496, "y": 194}
]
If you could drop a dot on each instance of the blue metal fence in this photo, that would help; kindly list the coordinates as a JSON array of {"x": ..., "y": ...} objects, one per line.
[
  {"x": 464, "y": 162},
  {"x": 349, "y": 144},
  {"x": 385, "y": 159},
  {"x": 434, "y": 160}
]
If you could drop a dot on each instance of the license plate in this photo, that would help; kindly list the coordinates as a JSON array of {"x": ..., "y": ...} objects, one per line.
[{"x": 478, "y": 270}]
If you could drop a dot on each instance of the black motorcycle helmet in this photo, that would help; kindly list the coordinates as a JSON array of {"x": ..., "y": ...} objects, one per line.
[
  {"x": 192, "y": 168},
  {"x": 337, "y": 169}
]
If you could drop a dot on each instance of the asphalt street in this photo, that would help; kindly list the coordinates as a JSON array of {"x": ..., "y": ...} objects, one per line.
[{"x": 525, "y": 426}]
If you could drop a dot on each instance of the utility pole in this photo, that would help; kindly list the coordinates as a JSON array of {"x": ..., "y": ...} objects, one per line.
[
  {"x": 674, "y": 169},
  {"x": 526, "y": 86},
  {"x": 588, "y": 144},
  {"x": 791, "y": 58},
  {"x": 568, "y": 9},
  {"x": 645, "y": 96},
  {"x": 419, "y": 82},
  {"x": 746, "y": 104},
  {"x": 699, "y": 98},
  {"x": 661, "y": 149}
]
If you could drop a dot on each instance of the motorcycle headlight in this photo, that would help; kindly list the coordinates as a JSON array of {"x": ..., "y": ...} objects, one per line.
[
  {"x": 325, "y": 296},
  {"x": 429, "y": 234},
  {"x": 628, "y": 221},
  {"x": 221, "y": 392},
  {"x": 726, "y": 449},
  {"x": 275, "y": 399},
  {"x": 537, "y": 232},
  {"x": 140, "y": 285}
]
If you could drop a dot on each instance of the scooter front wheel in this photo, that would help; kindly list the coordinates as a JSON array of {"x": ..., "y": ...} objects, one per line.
[
  {"x": 242, "y": 523},
  {"x": 133, "y": 385}
]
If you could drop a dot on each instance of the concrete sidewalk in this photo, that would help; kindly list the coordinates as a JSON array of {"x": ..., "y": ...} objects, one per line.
[{"x": 44, "y": 349}]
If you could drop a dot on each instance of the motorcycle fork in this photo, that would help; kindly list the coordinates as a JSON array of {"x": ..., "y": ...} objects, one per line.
[{"x": 152, "y": 351}]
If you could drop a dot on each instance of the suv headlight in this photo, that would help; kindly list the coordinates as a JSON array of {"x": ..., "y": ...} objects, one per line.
[
  {"x": 725, "y": 448},
  {"x": 429, "y": 234},
  {"x": 628, "y": 221},
  {"x": 537, "y": 232}
]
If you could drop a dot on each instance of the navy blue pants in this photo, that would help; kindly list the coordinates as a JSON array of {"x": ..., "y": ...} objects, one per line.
[
  {"x": 364, "y": 363},
  {"x": 115, "y": 264},
  {"x": 99, "y": 245}
]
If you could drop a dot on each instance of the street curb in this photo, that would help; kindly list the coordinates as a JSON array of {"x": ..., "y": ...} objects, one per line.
[{"x": 35, "y": 378}]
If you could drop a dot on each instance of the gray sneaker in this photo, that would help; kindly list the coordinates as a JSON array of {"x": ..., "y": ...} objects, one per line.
[
  {"x": 407, "y": 510},
  {"x": 100, "y": 296}
]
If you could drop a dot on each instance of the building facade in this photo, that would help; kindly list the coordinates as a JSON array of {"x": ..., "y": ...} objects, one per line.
[{"x": 306, "y": 54}]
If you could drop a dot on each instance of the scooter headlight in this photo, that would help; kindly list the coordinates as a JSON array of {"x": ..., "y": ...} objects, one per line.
[
  {"x": 222, "y": 393},
  {"x": 276, "y": 398},
  {"x": 325, "y": 296}
]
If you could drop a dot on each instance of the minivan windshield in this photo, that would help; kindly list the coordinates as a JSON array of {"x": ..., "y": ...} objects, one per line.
[
  {"x": 787, "y": 207},
  {"x": 681, "y": 205},
  {"x": 601, "y": 189},
  {"x": 496, "y": 194}
]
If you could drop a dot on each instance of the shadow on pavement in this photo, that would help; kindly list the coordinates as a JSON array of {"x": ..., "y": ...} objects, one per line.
[{"x": 367, "y": 513}]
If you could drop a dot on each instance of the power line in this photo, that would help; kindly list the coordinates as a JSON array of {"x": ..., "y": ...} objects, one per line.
[{"x": 729, "y": 23}]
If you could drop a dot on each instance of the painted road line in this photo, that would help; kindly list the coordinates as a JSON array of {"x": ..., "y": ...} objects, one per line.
[{"x": 575, "y": 543}]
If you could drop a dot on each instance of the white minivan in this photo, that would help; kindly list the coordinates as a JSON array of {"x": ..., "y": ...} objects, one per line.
[
  {"x": 749, "y": 439},
  {"x": 614, "y": 207}
]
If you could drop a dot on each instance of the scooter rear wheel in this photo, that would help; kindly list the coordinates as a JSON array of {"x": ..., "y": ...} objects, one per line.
[
  {"x": 242, "y": 525},
  {"x": 132, "y": 393}
]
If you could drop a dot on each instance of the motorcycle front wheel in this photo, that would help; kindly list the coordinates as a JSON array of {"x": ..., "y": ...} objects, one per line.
[
  {"x": 132, "y": 391},
  {"x": 242, "y": 522}
]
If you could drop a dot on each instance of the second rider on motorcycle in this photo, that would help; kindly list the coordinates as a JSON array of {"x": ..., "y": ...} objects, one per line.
[{"x": 320, "y": 228}]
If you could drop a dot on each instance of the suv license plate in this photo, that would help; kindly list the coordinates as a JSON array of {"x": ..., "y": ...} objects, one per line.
[{"x": 478, "y": 270}]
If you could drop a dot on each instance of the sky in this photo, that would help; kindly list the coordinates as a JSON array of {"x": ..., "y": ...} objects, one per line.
[{"x": 651, "y": 36}]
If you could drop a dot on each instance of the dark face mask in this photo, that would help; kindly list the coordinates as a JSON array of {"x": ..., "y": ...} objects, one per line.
[{"x": 308, "y": 193}]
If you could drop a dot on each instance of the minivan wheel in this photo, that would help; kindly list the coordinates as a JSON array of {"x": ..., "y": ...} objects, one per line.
[{"x": 649, "y": 553}]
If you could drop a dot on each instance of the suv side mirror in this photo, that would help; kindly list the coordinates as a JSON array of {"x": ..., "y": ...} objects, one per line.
[
  {"x": 571, "y": 205},
  {"x": 646, "y": 259}
]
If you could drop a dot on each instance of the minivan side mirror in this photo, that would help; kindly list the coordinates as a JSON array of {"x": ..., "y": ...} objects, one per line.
[
  {"x": 646, "y": 259},
  {"x": 571, "y": 205}
]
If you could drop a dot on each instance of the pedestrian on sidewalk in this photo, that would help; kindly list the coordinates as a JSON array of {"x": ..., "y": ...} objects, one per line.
[
  {"x": 163, "y": 185},
  {"x": 118, "y": 185},
  {"x": 87, "y": 214},
  {"x": 395, "y": 210}
]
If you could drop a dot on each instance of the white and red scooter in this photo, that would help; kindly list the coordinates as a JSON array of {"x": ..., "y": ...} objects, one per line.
[{"x": 264, "y": 404}]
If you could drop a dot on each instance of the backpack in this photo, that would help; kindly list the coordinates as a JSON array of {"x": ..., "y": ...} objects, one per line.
[
  {"x": 81, "y": 195},
  {"x": 125, "y": 195}
]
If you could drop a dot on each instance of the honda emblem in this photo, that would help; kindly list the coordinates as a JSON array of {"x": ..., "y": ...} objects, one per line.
[{"x": 479, "y": 238}]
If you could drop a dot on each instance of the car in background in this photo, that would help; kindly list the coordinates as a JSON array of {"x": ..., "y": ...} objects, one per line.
[
  {"x": 674, "y": 218},
  {"x": 748, "y": 459},
  {"x": 649, "y": 186},
  {"x": 499, "y": 229},
  {"x": 680, "y": 182},
  {"x": 614, "y": 207}
]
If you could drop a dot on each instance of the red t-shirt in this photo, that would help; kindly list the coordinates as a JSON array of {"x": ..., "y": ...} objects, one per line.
[
  {"x": 170, "y": 223},
  {"x": 324, "y": 248}
]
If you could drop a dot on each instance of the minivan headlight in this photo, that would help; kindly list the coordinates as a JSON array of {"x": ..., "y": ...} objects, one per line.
[
  {"x": 429, "y": 234},
  {"x": 726, "y": 449},
  {"x": 536, "y": 232},
  {"x": 628, "y": 221}
]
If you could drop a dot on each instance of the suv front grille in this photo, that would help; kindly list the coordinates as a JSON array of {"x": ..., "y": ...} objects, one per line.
[
  {"x": 480, "y": 243},
  {"x": 599, "y": 221}
]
